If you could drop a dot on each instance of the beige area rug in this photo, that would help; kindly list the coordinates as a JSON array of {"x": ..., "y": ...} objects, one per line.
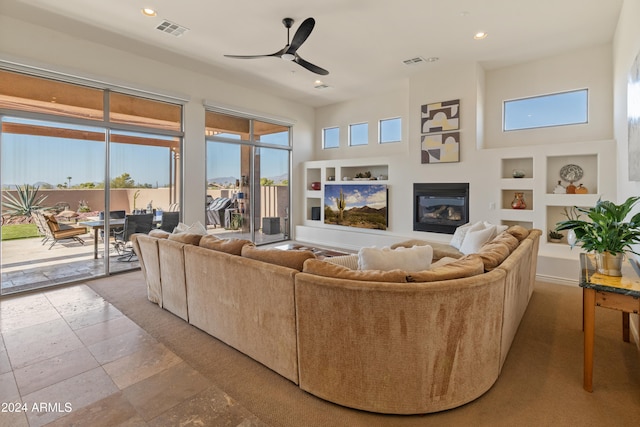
[{"x": 540, "y": 384}]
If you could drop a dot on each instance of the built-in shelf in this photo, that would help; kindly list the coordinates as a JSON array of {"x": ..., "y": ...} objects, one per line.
[
  {"x": 509, "y": 194},
  {"x": 523, "y": 164},
  {"x": 337, "y": 172}
]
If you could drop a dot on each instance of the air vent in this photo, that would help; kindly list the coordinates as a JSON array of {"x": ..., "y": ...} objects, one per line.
[
  {"x": 172, "y": 28},
  {"x": 414, "y": 61}
]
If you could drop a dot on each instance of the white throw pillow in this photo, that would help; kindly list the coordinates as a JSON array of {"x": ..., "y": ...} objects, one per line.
[
  {"x": 474, "y": 240},
  {"x": 417, "y": 258},
  {"x": 458, "y": 235},
  {"x": 195, "y": 228},
  {"x": 499, "y": 228}
]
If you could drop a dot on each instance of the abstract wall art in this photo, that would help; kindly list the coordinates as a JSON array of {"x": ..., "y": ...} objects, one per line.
[
  {"x": 440, "y": 116},
  {"x": 440, "y": 148}
]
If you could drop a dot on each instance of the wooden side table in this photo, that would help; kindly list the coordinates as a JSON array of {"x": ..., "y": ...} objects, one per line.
[{"x": 617, "y": 293}]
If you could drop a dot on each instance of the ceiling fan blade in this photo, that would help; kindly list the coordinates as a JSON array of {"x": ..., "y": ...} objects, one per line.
[
  {"x": 277, "y": 54},
  {"x": 301, "y": 35},
  {"x": 309, "y": 66}
]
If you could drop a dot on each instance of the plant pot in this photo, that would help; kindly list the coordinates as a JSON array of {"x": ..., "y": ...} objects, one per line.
[{"x": 609, "y": 264}]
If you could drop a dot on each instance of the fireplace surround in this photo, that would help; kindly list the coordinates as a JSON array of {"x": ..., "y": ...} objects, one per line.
[{"x": 440, "y": 207}]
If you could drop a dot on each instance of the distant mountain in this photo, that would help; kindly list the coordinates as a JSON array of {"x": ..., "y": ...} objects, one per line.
[
  {"x": 222, "y": 180},
  {"x": 368, "y": 210}
]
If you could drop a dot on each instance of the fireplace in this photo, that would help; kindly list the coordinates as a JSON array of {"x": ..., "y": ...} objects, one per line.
[{"x": 440, "y": 207}]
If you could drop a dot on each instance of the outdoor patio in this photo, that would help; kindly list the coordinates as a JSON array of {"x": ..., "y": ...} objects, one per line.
[{"x": 28, "y": 264}]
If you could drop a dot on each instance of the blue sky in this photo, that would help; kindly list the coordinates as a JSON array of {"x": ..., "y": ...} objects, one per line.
[{"x": 28, "y": 159}]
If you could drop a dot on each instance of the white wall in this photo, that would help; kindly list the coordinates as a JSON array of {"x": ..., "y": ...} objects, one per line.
[
  {"x": 586, "y": 68},
  {"x": 626, "y": 46},
  {"x": 38, "y": 46}
]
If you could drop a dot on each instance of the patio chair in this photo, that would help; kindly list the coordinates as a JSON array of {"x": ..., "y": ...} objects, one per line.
[
  {"x": 169, "y": 221},
  {"x": 112, "y": 215},
  {"x": 57, "y": 232},
  {"x": 215, "y": 210},
  {"x": 40, "y": 222},
  {"x": 142, "y": 223}
]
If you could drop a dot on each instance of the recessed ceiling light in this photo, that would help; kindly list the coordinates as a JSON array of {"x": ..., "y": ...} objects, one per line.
[
  {"x": 480, "y": 35},
  {"x": 147, "y": 11}
]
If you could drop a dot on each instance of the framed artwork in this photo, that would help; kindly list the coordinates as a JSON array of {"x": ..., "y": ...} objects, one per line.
[
  {"x": 633, "y": 119},
  {"x": 440, "y": 148},
  {"x": 440, "y": 116},
  {"x": 356, "y": 205}
]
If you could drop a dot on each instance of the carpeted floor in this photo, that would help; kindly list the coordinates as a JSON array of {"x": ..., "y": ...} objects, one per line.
[{"x": 540, "y": 384}]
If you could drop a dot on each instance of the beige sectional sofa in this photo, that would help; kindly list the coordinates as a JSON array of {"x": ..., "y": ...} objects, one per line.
[{"x": 388, "y": 342}]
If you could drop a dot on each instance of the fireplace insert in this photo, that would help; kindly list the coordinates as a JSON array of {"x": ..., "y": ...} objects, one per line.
[{"x": 440, "y": 207}]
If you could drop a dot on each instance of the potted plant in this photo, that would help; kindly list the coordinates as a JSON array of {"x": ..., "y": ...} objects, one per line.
[
  {"x": 606, "y": 233},
  {"x": 555, "y": 236}
]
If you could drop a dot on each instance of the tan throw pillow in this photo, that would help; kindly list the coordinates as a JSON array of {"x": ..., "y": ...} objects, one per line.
[
  {"x": 292, "y": 259},
  {"x": 328, "y": 269},
  {"x": 230, "y": 246},
  {"x": 159, "y": 234},
  {"x": 468, "y": 266},
  {"x": 518, "y": 231},
  {"x": 187, "y": 238},
  {"x": 492, "y": 254},
  {"x": 508, "y": 239},
  {"x": 416, "y": 258}
]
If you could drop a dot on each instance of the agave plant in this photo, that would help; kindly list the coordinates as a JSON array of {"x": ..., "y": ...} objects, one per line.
[
  {"x": 606, "y": 230},
  {"x": 26, "y": 201}
]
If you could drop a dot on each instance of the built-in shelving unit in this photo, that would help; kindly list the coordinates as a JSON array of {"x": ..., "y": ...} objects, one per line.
[
  {"x": 545, "y": 208},
  {"x": 337, "y": 171}
]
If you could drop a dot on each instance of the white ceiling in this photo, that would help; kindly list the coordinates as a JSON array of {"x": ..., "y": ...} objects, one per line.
[{"x": 361, "y": 42}]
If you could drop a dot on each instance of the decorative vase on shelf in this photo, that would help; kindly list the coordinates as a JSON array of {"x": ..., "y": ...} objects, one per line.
[
  {"x": 518, "y": 201},
  {"x": 571, "y": 238},
  {"x": 559, "y": 189},
  {"x": 580, "y": 189}
]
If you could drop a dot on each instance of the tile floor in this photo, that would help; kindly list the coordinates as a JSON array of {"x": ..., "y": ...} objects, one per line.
[{"x": 68, "y": 357}]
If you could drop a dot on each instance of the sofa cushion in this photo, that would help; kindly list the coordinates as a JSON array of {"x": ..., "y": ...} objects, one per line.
[
  {"x": 290, "y": 258},
  {"x": 507, "y": 239},
  {"x": 458, "y": 235},
  {"x": 440, "y": 250},
  {"x": 468, "y": 266},
  {"x": 231, "y": 246},
  {"x": 518, "y": 231},
  {"x": 492, "y": 254},
  {"x": 416, "y": 258},
  {"x": 474, "y": 239},
  {"x": 187, "y": 238},
  {"x": 328, "y": 269},
  {"x": 159, "y": 234},
  {"x": 196, "y": 228},
  {"x": 349, "y": 261}
]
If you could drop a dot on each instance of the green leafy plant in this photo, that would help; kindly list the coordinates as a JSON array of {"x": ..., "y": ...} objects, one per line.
[
  {"x": 606, "y": 230},
  {"x": 26, "y": 201}
]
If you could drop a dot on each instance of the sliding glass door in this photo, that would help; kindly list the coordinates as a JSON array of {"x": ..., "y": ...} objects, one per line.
[
  {"x": 75, "y": 162},
  {"x": 248, "y": 173}
]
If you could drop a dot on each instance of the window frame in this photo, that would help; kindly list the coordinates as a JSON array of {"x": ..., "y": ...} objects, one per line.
[
  {"x": 351, "y": 126},
  {"x": 380, "y": 122},
  {"x": 324, "y": 137},
  {"x": 547, "y": 95}
]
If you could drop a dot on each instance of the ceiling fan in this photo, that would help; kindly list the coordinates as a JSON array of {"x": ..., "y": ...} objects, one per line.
[{"x": 289, "y": 52}]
